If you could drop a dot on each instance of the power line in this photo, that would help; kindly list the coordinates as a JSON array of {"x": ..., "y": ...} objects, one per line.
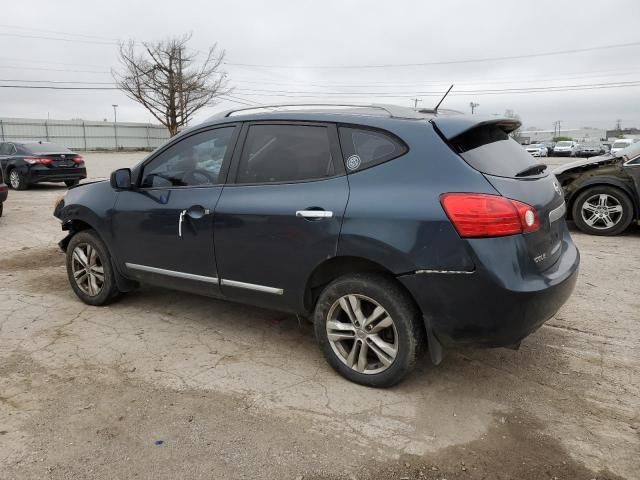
[
  {"x": 13, "y": 27},
  {"x": 42, "y": 37},
  {"x": 444, "y": 62},
  {"x": 54, "y": 69},
  {"x": 286, "y": 93}
]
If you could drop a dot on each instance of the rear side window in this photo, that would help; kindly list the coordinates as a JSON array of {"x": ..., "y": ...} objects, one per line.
[
  {"x": 285, "y": 153},
  {"x": 490, "y": 150},
  {"x": 364, "y": 148}
]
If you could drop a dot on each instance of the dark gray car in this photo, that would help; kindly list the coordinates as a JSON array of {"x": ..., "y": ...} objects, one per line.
[{"x": 391, "y": 229}]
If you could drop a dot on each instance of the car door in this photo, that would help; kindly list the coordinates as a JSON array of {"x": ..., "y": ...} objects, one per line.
[
  {"x": 280, "y": 214},
  {"x": 632, "y": 167},
  {"x": 163, "y": 227}
]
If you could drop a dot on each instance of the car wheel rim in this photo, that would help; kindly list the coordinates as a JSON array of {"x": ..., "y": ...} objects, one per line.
[
  {"x": 87, "y": 268},
  {"x": 602, "y": 211},
  {"x": 14, "y": 178},
  {"x": 362, "y": 334}
]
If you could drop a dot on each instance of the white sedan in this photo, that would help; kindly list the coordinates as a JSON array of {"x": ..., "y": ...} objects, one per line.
[{"x": 537, "y": 150}]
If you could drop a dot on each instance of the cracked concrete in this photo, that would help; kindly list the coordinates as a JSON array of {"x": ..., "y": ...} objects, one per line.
[{"x": 235, "y": 391}]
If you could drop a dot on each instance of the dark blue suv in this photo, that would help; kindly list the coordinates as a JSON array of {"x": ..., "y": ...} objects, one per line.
[{"x": 392, "y": 229}]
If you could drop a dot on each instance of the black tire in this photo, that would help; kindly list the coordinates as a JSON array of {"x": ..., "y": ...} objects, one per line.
[
  {"x": 109, "y": 289},
  {"x": 621, "y": 221},
  {"x": 407, "y": 332},
  {"x": 71, "y": 183},
  {"x": 17, "y": 180},
  {"x": 1, "y": 208}
]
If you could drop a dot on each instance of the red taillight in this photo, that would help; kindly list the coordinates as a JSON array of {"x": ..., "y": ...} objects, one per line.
[
  {"x": 39, "y": 160},
  {"x": 78, "y": 160},
  {"x": 481, "y": 215}
]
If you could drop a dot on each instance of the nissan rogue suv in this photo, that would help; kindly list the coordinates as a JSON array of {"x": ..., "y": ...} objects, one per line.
[{"x": 394, "y": 230}]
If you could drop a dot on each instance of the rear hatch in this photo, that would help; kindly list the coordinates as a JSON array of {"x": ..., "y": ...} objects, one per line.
[{"x": 514, "y": 173}]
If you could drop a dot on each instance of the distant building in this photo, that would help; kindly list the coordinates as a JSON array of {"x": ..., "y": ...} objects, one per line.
[
  {"x": 581, "y": 135},
  {"x": 633, "y": 133}
]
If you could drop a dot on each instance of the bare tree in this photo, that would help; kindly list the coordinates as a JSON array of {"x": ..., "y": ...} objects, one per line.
[
  {"x": 168, "y": 81},
  {"x": 511, "y": 114}
]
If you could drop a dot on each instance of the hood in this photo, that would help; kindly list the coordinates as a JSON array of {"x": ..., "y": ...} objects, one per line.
[{"x": 584, "y": 162}]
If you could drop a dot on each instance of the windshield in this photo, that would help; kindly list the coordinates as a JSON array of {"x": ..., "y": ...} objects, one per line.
[
  {"x": 620, "y": 145},
  {"x": 535, "y": 145},
  {"x": 45, "y": 147},
  {"x": 563, "y": 144}
]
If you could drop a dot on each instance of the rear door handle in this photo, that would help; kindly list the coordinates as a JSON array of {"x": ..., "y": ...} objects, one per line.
[{"x": 317, "y": 214}]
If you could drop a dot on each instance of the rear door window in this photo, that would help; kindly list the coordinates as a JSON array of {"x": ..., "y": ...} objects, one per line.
[
  {"x": 363, "y": 148},
  {"x": 490, "y": 150},
  {"x": 286, "y": 153}
]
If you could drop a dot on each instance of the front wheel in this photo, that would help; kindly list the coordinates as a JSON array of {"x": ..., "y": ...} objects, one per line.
[
  {"x": 368, "y": 329},
  {"x": 602, "y": 210},
  {"x": 89, "y": 269},
  {"x": 71, "y": 183},
  {"x": 17, "y": 180}
]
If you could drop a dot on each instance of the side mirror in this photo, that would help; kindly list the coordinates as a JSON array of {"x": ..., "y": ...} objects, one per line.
[{"x": 121, "y": 179}]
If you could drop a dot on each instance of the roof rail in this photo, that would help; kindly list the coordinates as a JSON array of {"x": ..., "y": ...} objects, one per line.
[{"x": 393, "y": 111}]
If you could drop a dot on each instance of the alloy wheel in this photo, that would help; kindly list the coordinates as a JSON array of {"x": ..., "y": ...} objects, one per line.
[
  {"x": 87, "y": 269},
  {"x": 14, "y": 179},
  {"x": 602, "y": 211},
  {"x": 362, "y": 334}
]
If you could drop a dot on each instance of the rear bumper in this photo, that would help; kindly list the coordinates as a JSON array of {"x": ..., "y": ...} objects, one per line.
[
  {"x": 36, "y": 175},
  {"x": 500, "y": 303}
]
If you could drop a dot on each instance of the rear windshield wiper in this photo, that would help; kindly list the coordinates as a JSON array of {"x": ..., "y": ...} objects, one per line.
[{"x": 532, "y": 170}]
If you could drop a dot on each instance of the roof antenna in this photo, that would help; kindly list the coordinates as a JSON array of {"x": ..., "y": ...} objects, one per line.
[{"x": 435, "y": 110}]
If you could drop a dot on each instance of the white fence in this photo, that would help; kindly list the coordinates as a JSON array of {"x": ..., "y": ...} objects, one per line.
[{"x": 85, "y": 135}]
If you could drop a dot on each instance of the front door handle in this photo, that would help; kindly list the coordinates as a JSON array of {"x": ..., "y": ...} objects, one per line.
[
  {"x": 314, "y": 214},
  {"x": 180, "y": 220},
  {"x": 195, "y": 212}
]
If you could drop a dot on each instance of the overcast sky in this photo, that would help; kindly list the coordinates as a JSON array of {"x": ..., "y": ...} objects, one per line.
[{"x": 292, "y": 37}]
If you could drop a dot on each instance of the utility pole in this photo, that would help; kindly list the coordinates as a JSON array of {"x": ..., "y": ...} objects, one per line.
[
  {"x": 556, "y": 128},
  {"x": 473, "y": 106},
  {"x": 415, "y": 102},
  {"x": 115, "y": 123},
  {"x": 619, "y": 125}
]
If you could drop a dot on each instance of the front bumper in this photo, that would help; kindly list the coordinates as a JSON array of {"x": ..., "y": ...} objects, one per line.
[
  {"x": 501, "y": 302},
  {"x": 52, "y": 174}
]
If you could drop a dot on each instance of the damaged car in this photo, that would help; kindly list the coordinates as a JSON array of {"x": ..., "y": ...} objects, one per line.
[{"x": 603, "y": 193}]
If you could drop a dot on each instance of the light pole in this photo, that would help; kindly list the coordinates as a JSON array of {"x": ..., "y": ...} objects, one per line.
[
  {"x": 473, "y": 106},
  {"x": 115, "y": 123}
]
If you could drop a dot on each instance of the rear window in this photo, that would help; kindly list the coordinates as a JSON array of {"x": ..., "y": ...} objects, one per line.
[
  {"x": 45, "y": 147},
  {"x": 490, "y": 150}
]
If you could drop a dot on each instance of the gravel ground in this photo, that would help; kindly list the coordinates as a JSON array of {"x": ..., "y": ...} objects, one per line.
[{"x": 169, "y": 385}]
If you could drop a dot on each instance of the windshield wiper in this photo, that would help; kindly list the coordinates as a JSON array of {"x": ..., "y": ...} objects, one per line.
[{"x": 532, "y": 170}]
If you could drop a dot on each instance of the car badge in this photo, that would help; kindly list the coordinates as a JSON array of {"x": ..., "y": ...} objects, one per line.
[{"x": 63, "y": 156}]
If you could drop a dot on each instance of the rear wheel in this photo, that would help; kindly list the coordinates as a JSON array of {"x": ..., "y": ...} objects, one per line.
[
  {"x": 368, "y": 329},
  {"x": 1, "y": 208},
  {"x": 89, "y": 269},
  {"x": 17, "y": 180},
  {"x": 71, "y": 183},
  {"x": 603, "y": 210}
]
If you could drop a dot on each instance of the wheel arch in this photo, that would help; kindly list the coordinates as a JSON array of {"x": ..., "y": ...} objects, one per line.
[{"x": 338, "y": 266}]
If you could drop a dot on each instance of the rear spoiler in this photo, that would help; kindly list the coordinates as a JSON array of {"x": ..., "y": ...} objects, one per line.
[{"x": 453, "y": 126}]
